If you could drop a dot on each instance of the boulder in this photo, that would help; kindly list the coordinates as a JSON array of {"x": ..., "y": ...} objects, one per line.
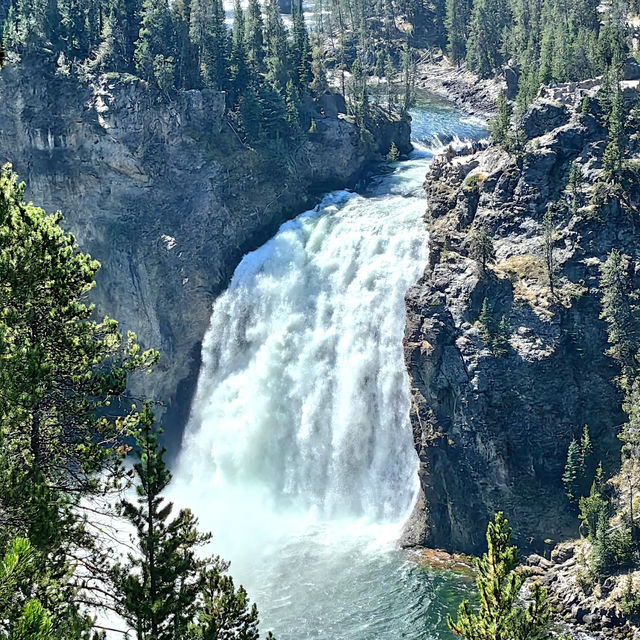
[
  {"x": 544, "y": 116},
  {"x": 562, "y": 552}
]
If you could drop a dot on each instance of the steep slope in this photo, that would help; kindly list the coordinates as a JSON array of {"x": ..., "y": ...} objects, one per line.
[
  {"x": 164, "y": 195},
  {"x": 492, "y": 428}
]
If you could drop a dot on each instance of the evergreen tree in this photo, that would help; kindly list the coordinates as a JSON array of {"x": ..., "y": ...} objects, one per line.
[
  {"x": 214, "y": 63},
  {"x": 571, "y": 475},
  {"x": 593, "y": 505},
  {"x": 500, "y": 125},
  {"x": 319, "y": 84},
  {"x": 481, "y": 249},
  {"x": 484, "y": 46},
  {"x": 602, "y": 557},
  {"x": 300, "y": 47},
  {"x": 166, "y": 592},
  {"x": 224, "y": 613},
  {"x": 276, "y": 48},
  {"x": 620, "y": 313},
  {"x": 121, "y": 34},
  {"x": 158, "y": 586},
  {"x": 499, "y": 615},
  {"x": 251, "y": 114},
  {"x": 457, "y": 13},
  {"x": 154, "y": 48},
  {"x": 292, "y": 101},
  {"x": 239, "y": 62},
  {"x": 254, "y": 34},
  {"x": 58, "y": 444},
  {"x": 394, "y": 154},
  {"x": 60, "y": 370}
]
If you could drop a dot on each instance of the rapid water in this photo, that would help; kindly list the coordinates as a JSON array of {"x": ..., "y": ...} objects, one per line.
[{"x": 298, "y": 455}]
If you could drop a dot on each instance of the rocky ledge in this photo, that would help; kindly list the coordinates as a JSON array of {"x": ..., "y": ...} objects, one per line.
[
  {"x": 581, "y": 605},
  {"x": 161, "y": 191},
  {"x": 492, "y": 425}
]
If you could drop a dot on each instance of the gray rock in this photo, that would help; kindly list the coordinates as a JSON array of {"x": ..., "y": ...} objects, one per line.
[
  {"x": 496, "y": 438},
  {"x": 543, "y": 116},
  {"x": 631, "y": 69},
  {"x": 562, "y": 552},
  {"x": 164, "y": 195}
]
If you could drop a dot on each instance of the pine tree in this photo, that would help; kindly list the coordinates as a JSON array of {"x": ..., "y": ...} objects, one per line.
[
  {"x": 300, "y": 48},
  {"x": 319, "y": 83},
  {"x": 276, "y": 48},
  {"x": 58, "y": 443},
  {"x": 292, "y": 101},
  {"x": 165, "y": 590},
  {"x": 158, "y": 587},
  {"x": 499, "y": 615},
  {"x": 251, "y": 114},
  {"x": 394, "y": 154},
  {"x": 593, "y": 505},
  {"x": 154, "y": 48},
  {"x": 620, "y": 313},
  {"x": 500, "y": 125},
  {"x": 224, "y": 612},
  {"x": 571, "y": 475},
  {"x": 239, "y": 62},
  {"x": 254, "y": 34},
  {"x": 481, "y": 248},
  {"x": 60, "y": 370},
  {"x": 456, "y": 19},
  {"x": 586, "y": 458},
  {"x": 484, "y": 45},
  {"x": 214, "y": 61},
  {"x": 602, "y": 557}
]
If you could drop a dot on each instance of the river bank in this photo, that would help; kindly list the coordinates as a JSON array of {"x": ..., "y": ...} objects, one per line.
[{"x": 462, "y": 87}]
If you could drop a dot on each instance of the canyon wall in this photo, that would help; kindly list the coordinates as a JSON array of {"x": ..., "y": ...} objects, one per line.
[
  {"x": 492, "y": 428},
  {"x": 163, "y": 193}
]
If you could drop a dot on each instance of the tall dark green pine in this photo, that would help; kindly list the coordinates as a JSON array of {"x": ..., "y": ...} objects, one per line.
[
  {"x": 276, "y": 47},
  {"x": 484, "y": 46},
  {"x": 251, "y": 114},
  {"x": 292, "y": 102},
  {"x": 255, "y": 34},
  {"x": 158, "y": 586},
  {"x": 223, "y": 611},
  {"x": 300, "y": 47},
  {"x": 571, "y": 475},
  {"x": 214, "y": 61},
  {"x": 457, "y": 14},
  {"x": 123, "y": 31},
  {"x": 154, "y": 48},
  {"x": 621, "y": 315},
  {"x": 186, "y": 64},
  {"x": 239, "y": 63}
]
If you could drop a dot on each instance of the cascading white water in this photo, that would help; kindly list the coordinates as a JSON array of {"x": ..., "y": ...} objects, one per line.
[
  {"x": 302, "y": 391},
  {"x": 299, "y": 454}
]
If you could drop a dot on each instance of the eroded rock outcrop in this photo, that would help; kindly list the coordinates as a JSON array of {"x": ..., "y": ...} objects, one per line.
[
  {"x": 492, "y": 429},
  {"x": 164, "y": 195}
]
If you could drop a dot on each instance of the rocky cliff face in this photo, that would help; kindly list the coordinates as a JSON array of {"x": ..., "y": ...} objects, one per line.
[
  {"x": 164, "y": 195},
  {"x": 492, "y": 429}
]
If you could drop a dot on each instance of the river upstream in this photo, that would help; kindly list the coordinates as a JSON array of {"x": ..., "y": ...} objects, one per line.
[{"x": 298, "y": 455}]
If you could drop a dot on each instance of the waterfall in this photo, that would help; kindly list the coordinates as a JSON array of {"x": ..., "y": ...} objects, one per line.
[
  {"x": 302, "y": 397},
  {"x": 299, "y": 454}
]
